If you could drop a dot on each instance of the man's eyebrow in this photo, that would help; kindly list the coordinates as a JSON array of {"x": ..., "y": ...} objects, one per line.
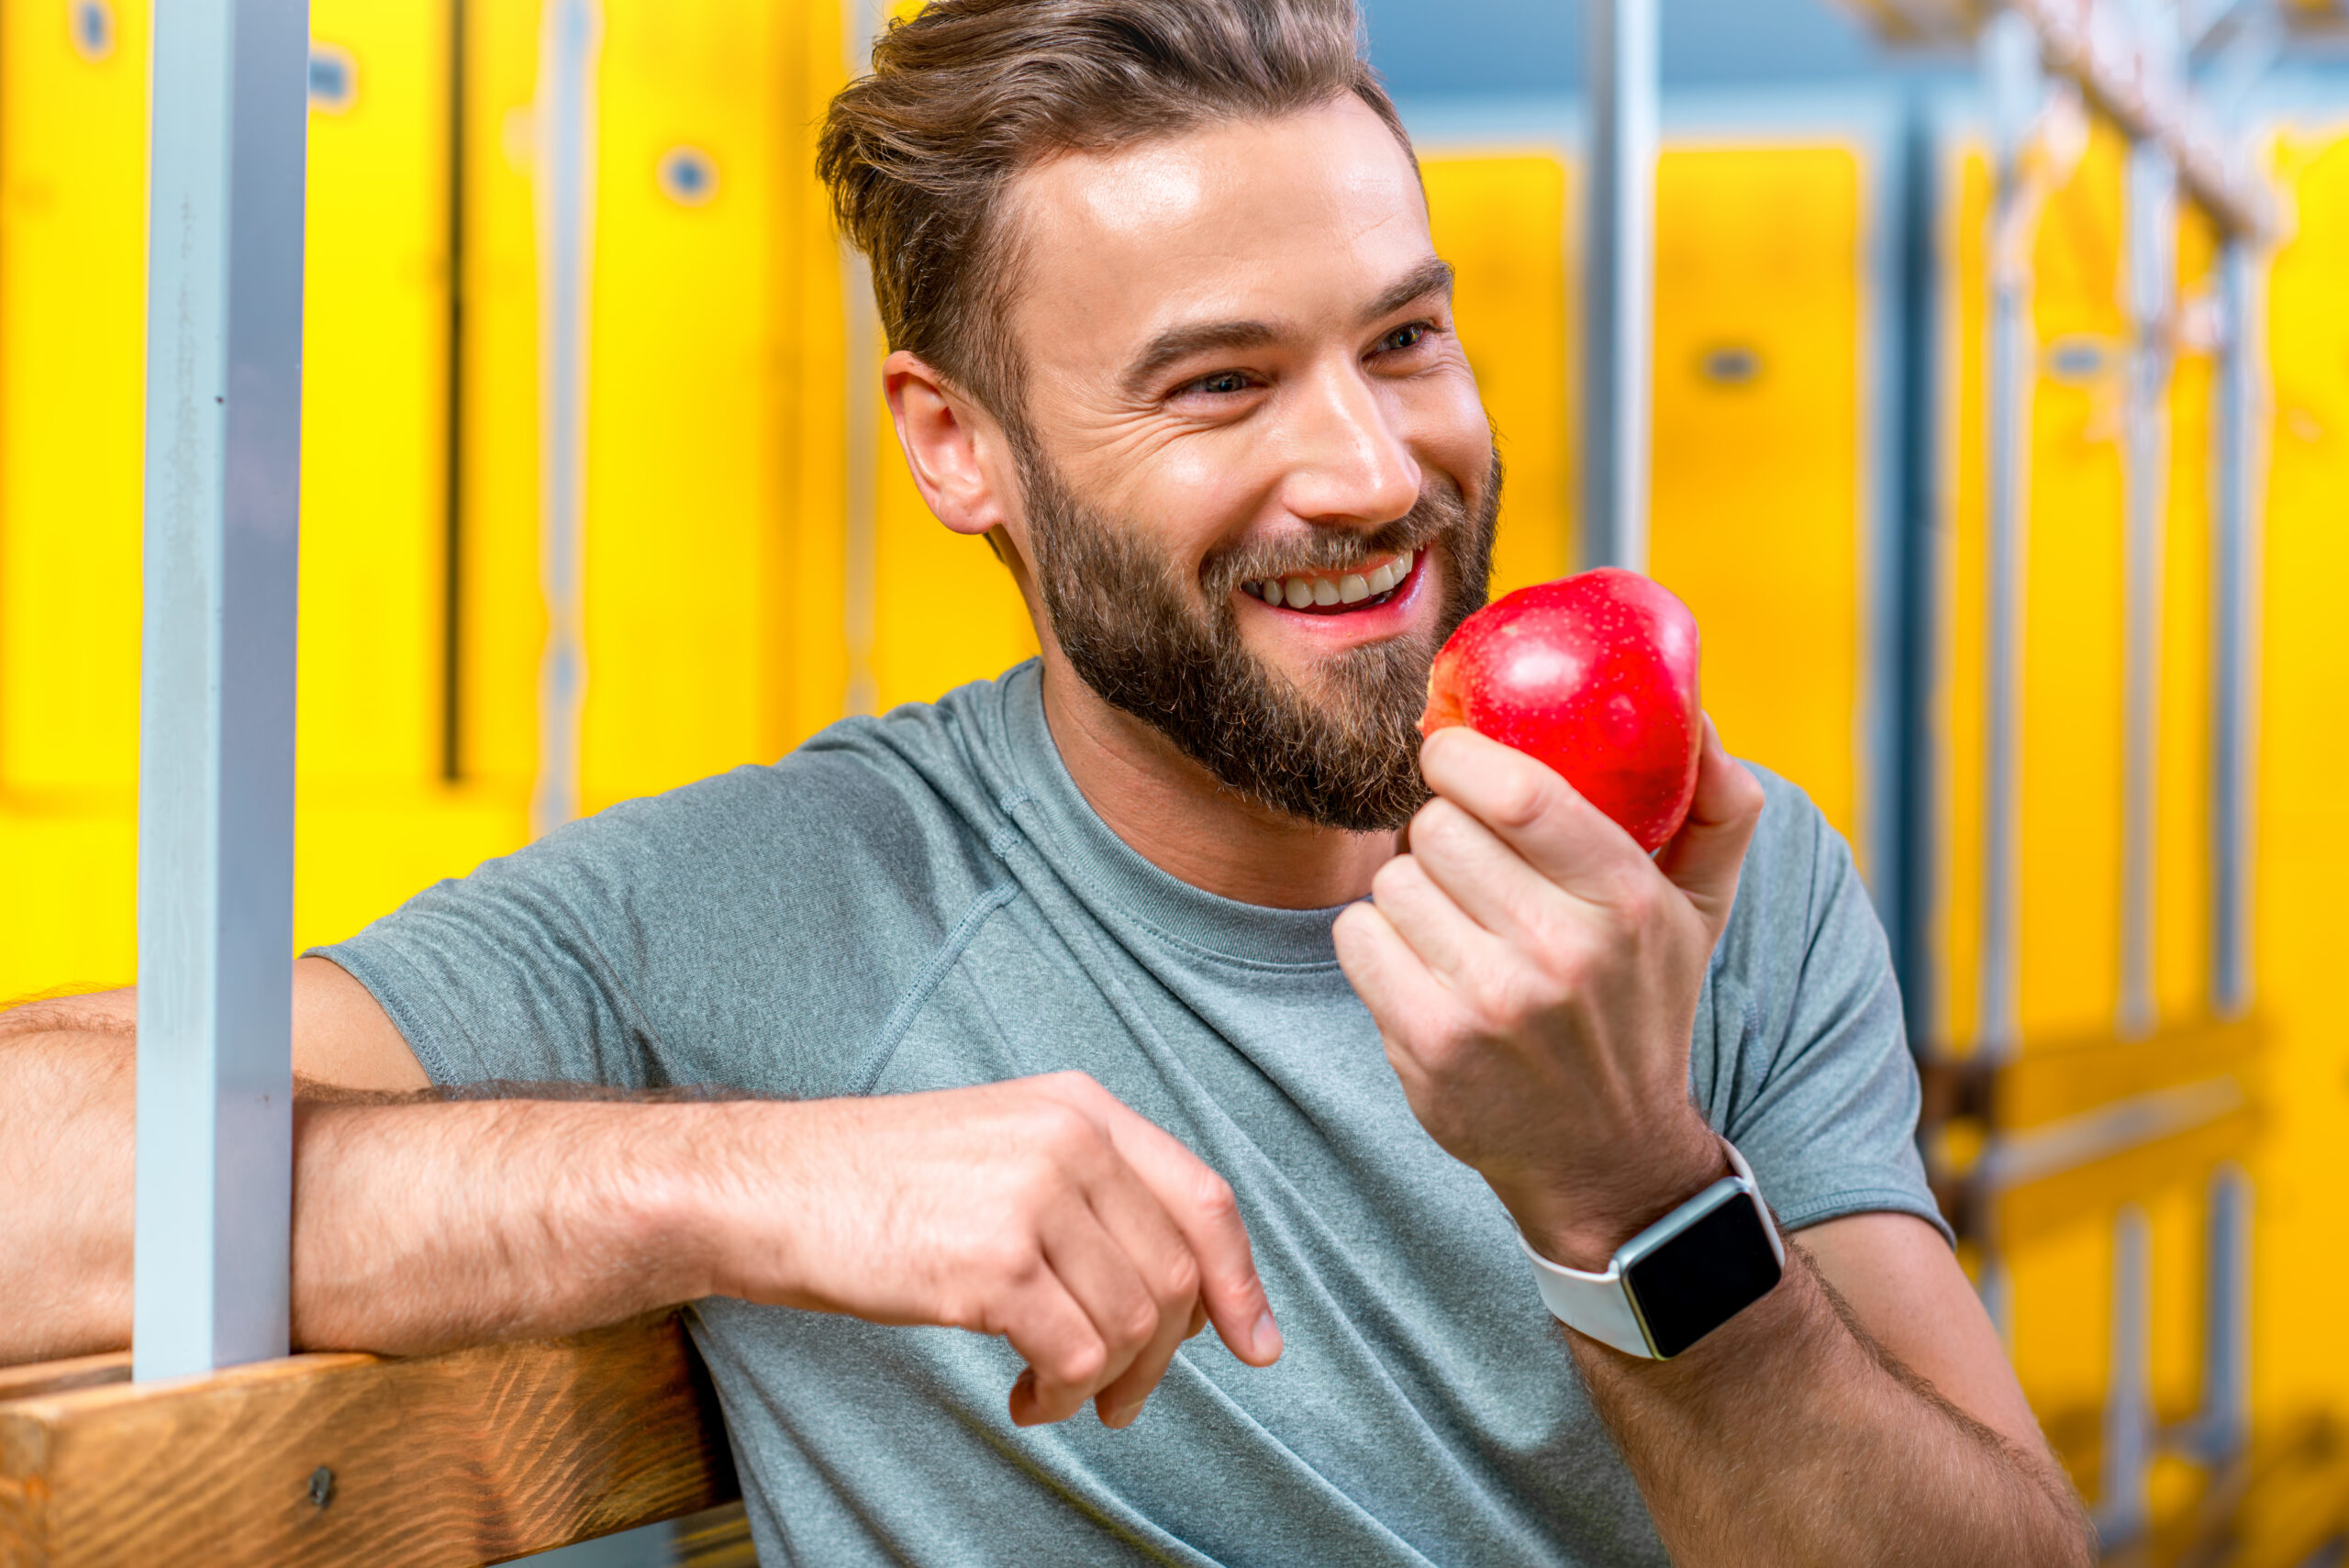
[
  {"x": 1179, "y": 343},
  {"x": 1431, "y": 276}
]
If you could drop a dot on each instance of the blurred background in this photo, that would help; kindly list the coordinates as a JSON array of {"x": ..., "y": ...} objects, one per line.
[{"x": 2008, "y": 476}]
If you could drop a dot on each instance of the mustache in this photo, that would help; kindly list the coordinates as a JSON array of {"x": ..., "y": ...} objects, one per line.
[{"x": 1437, "y": 513}]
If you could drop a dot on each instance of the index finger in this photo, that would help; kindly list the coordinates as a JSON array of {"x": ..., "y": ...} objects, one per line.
[
  {"x": 1530, "y": 808},
  {"x": 1203, "y": 1208}
]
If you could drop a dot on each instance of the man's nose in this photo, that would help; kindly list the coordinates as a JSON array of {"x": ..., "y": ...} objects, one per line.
[{"x": 1348, "y": 462}]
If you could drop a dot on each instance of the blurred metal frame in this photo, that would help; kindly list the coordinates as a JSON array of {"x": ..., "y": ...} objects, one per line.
[{"x": 1619, "y": 280}]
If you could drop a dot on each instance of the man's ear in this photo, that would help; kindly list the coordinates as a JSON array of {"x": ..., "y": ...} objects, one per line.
[{"x": 952, "y": 445}]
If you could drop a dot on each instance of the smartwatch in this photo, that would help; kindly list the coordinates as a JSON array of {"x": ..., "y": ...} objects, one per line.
[{"x": 1679, "y": 1279}]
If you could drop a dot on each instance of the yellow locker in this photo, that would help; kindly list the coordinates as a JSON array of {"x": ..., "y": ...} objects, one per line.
[
  {"x": 72, "y": 324},
  {"x": 684, "y": 544},
  {"x": 2302, "y": 856},
  {"x": 1501, "y": 220},
  {"x": 376, "y": 819},
  {"x": 1759, "y": 453}
]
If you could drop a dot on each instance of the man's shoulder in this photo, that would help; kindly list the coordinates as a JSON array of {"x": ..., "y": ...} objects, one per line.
[
  {"x": 864, "y": 797},
  {"x": 1798, "y": 878}
]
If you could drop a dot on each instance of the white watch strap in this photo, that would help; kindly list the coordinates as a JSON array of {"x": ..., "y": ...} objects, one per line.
[{"x": 1600, "y": 1305}]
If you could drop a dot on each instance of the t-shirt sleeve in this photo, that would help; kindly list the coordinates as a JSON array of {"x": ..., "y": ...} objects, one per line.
[
  {"x": 1823, "y": 1095},
  {"x": 520, "y": 971},
  {"x": 748, "y": 933}
]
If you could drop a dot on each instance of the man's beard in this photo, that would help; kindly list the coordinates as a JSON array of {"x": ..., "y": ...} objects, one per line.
[{"x": 1345, "y": 756}]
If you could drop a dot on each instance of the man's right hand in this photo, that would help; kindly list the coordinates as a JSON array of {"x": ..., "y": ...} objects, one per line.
[{"x": 1040, "y": 1209}]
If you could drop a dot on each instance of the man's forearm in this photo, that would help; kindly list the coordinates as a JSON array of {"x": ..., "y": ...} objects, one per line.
[
  {"x": 1786, "y": 1436},
  {"x": 424, "y": 1226},
  {"x": 417, "y": 1226},
  {"x": 67, "y": 1102}
]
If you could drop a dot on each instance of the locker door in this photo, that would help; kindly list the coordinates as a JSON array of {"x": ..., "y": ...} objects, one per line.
[
  {"x": 1501, "y": 221},
  {"x": 1758, "y": 458},
  {"x": 72, "y": 332}
]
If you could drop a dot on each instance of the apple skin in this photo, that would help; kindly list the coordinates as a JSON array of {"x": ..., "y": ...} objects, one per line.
[{"x": 1594, "y": 675}]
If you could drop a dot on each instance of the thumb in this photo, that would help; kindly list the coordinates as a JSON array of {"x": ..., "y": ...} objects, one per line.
[{"x": 1703, "y": 858}]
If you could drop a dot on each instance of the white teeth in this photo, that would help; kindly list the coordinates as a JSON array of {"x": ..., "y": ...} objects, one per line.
[
  {"x": 1325, "y": 593},
  {"x": 1352, "y": 589},
  {"x": 1381, "y": 578},
  {"x": 1300, "y": 593}
]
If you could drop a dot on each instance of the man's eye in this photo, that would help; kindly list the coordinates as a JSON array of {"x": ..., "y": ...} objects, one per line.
[
  {"x": 1402, "y": 338},
  {"x": 1223, "y": 383}
]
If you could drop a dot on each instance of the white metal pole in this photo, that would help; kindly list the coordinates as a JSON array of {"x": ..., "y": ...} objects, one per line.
[
  {"x": 2016, "y": 91},
  {"x": 862, "y": 22},
  {"x": 2122, "y": 1503},
  {"x": 1619, "y": 281},
  {"x": 215, "y": 784},
  {"x": 2152, "y": 266},
  {"x": 571, "y": 35},
  {"x": 2233, "y": 634}
]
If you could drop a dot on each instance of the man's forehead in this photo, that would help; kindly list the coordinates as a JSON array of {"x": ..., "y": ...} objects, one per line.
[{"x": 1251, "y": 214}]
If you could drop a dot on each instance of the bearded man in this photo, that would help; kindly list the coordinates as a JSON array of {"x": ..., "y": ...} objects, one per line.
[{"x": 1100, "y": 1002}]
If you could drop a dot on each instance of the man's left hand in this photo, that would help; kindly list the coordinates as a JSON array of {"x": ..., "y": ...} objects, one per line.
[{"x": 1535, "y": 978}]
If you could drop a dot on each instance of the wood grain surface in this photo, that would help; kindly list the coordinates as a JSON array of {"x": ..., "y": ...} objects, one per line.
[
  {"x": 474, "y": 1457},
  {"x": 56, "y": 1377}
]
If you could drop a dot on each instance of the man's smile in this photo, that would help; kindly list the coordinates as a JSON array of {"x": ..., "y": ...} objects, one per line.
[{"x": 1337, "y": 592}]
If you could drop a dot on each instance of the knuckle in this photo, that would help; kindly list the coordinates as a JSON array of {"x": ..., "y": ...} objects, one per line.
[
  {"x": 1638, "y": 903},
  {"x": 1179, "y": 1282},
  {"x": 1391, "y": 881},
  {"x": 1010, "y": 1258},
  {"x": 1212, "y": 1197},
  {"x": 1064, "y": 1131},
  {"x": 1137, "y": 1321},
  {"x": 1081, "y": 1365},
  {"x": 1520, "y": 793}
]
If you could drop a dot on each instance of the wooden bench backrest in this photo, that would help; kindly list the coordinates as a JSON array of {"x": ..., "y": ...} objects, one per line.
[{"x": 472, "y": 1457}]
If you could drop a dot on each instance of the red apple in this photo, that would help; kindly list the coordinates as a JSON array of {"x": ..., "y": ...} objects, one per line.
[{"x": 1595, "y": 674}]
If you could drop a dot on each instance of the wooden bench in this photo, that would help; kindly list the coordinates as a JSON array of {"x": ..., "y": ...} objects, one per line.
[{"x": 474, "y": 1457}]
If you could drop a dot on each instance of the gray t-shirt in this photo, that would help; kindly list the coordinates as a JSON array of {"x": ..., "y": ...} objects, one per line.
[{"x": 925, "y": 901}]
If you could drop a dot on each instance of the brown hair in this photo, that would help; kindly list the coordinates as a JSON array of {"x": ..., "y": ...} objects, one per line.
[{"x": 970, "y": 93}]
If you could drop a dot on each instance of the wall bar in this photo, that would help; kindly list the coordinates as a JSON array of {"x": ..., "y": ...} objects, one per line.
[
  {"x": 570, "y": 36},
  {"x": 2017, "y": 92},
  {"x": 2151, "y": 287},
  {"x": 1619, "y": 281},
  {"x": 229, "y": 120},
  {"x": 861, "y": 22},
  {"x": 2123, "y": 1501},
  {"x": 2232, "y": 633}
]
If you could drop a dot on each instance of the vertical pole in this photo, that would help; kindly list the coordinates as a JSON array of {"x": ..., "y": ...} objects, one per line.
[
  {"x": 861, "y": 23},
  {"x": 1909, "y": 608},
  {"x": 215, "y": 768},
  {"x": 2233, "y": 631},
  {"x": 1619, "y": 267},
  {"x": 2225, "y": 1426},
  {"x": 2122, "y": 1497},
  {"x": 453, "y": 460},
  {"x": 2016, "y": 90},
  {"x": 2151, "y": 266},
  {"x": 569, "y": 37}
]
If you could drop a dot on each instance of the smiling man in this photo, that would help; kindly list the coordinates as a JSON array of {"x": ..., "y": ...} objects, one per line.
[{"x": 1100, "y": 1002}]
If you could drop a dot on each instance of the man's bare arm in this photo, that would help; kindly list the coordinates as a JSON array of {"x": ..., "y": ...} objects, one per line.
[
  {"x": 1040, "y": 1210},
  {"x": 1789, "y": 1435},
  {"x": 66, "y": 1107}
]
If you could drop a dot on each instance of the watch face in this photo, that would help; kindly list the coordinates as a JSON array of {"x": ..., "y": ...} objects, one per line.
[{"x": 1714, "y": 1269}]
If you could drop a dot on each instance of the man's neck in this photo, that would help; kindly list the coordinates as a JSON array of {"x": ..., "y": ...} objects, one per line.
[{"x": 1173, "y": 813}]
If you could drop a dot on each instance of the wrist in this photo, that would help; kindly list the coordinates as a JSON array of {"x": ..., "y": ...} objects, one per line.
[
  {"x": 680, "y": 1208},
  {"x": 1581, "y": 1220}
]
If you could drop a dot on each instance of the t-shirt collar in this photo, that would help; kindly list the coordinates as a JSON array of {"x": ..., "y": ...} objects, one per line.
[{"x": 1105, "y": 870}]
